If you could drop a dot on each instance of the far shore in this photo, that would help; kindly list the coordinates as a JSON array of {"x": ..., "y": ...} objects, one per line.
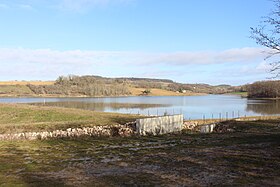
[
  {"x": 157, "y": 92},
  {"x": 21, "y": 89},
  {"x": 84, "y": 96},
  {"x": 242, "y": 94}
]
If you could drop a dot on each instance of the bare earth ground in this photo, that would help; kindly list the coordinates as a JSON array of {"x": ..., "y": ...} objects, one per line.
[
  {"x": 160, "y": 92},
  {"x": 248, "y": 156}
]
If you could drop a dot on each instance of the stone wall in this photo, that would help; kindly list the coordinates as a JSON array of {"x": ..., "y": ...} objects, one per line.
[
  {"x": 116, "y": 130},
  {"x": 190, "y": 125},
  {"x": 159, "y": 125},
  {"x": 208, "y": 128},
  {"x": 146, "y": 126}
]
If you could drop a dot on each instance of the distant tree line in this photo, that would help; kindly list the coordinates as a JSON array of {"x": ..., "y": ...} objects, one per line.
[
  {"x": 83, "y": 85},
  {"x": 202, "y": 88},
  {"x": 264, "y": 89},
  {"x": 267, "y": 34},
  {"x": 148, "y": 84},
  {"x": 91, "y": 85},
  {"x": 146, "y": 80}
]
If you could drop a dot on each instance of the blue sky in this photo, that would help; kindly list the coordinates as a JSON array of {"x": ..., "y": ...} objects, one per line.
[{"x": 187, "y": 41}]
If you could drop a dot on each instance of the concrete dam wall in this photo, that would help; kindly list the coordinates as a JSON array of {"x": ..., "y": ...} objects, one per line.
[{"x": 159, "y": 125}]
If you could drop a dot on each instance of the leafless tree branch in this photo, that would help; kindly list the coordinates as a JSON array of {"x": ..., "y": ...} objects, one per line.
[{"x": 267, "y": 35}]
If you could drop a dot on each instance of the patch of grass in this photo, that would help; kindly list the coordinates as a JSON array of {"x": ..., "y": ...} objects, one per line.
[
  {"x": 15, "y": 90},
  {"x": 25, "y": 118}
]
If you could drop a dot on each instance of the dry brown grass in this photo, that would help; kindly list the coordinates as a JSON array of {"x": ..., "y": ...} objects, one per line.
[
  {"x": 159, "y": 92},
  {"x": 16, "y": 118},
  {"x": 26, "y": 82}
]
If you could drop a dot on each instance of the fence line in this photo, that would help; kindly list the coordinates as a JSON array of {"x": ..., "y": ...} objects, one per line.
[{"x": 225, "y": 115}]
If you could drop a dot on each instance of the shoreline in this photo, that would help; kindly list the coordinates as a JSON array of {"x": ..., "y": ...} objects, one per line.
[
  {"x": 264, "y": 98},
  {"x": 84, "y": 96},
  {"x": 245, "y": 95}
]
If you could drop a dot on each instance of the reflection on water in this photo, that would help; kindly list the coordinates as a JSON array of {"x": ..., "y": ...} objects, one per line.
[
  {"x": 193, "y": 107},
  {"x": 266, "y": 108},
  {"x": 100, "y": 106}
]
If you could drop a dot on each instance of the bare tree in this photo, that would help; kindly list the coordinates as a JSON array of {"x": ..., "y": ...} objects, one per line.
[{"x": 267, "y": 35}]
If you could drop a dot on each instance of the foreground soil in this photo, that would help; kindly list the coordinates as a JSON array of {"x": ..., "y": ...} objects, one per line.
[{"x": 247, "y": 156}]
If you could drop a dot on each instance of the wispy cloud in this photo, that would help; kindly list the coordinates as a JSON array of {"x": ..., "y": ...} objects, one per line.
[
  {"x": 64, "y": 5},
  {"x": 77, "y": 57},
  {"x": 210, "y": 57},
  {"x": 83, "y": 5},
  {"x": 15, "y": 6},
  {"x": 25, "y": 6},
  {"x": 231, "y": 65},
  {"x": 242, "y": 55}
]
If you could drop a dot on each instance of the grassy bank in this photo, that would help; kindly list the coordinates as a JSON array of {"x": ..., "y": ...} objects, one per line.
[
  {"x": 249, "y": 156},
  {"x": 15, "y": 90},
  {"x": 25, "y": 118}
]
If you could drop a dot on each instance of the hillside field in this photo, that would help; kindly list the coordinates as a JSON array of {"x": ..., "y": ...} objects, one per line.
[{"x": 26, "y": 82}]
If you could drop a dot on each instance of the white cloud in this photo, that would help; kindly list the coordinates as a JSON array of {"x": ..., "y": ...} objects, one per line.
[
  {"x": 38, "y": 63},
  {"x": 46, "y": 56},
  {"x": 25, "y": 6},
  {"x": 153, "y": 73},
  {"x": 263, "y": 66},
  {"x": 12, "y": 6},
  {"x": 211, "y": 57}
]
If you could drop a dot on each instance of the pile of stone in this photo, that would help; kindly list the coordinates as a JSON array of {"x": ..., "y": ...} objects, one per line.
[
  {"x": 222, "y": 128},
  {"x": 190, "y": 125},
  {"x": 131, "y": 125},
  {"x": 106, "y": 130}
]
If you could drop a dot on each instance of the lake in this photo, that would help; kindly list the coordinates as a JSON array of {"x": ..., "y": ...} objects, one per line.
[{"x": 193, "y": 107}]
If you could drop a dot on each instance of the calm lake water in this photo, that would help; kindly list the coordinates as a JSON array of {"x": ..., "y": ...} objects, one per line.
[{"x": 193, "y": 107}]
